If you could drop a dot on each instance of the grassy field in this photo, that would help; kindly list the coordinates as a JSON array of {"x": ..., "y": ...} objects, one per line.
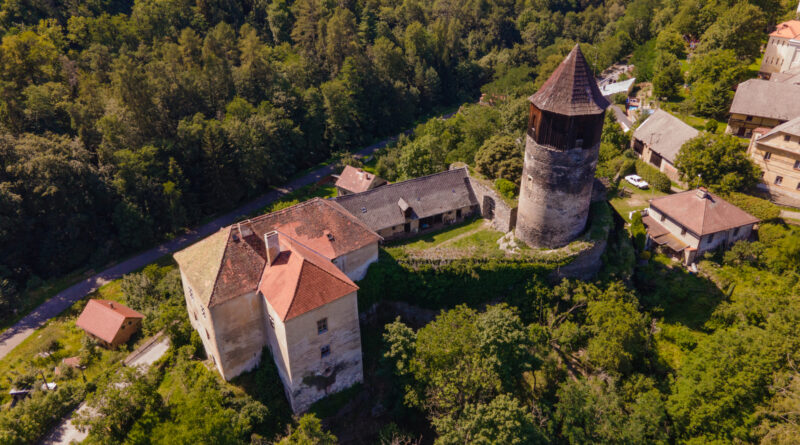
[
  {"x": 43, "y": 351},
  {"x": 637, "y": 200}
]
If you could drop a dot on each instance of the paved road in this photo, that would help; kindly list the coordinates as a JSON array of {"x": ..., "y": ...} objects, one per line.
[{"x": 14, "y": 335}]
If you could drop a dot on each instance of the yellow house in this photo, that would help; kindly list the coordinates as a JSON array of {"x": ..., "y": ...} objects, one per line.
[
  {"x": 777, "y": 153},
  {"x": 762, "y": 103},
  {"x": 283, "y": 280}
]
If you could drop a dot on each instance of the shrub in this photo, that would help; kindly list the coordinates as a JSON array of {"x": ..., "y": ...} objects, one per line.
[
  {"x": 506, "y": 188},
  {"x": 760, "y": 208},
  {"x": 659, "y": 181}
]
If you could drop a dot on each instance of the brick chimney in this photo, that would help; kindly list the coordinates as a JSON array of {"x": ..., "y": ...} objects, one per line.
[{"x": 273, "y": 246}]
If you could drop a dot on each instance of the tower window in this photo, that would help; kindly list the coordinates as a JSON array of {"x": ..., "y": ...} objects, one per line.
[
  {"x": 778, "y": 180},
  {"x": 797, "y": 164},
  {"x": 322, "y": 326},
  {"x": 787, "y": 138},
  {"x": 325, "y": 351}
]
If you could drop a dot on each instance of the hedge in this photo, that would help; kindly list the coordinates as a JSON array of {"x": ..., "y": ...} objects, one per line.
[
  {"x": 659, "y": 181},
  {"x": 760, "y": 208}
]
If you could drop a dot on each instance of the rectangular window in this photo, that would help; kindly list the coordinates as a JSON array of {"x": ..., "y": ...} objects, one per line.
[
  {"x": 797, "y": 164},
  {"x": 322, "y": 326},
  {"x": 325, "y": 351},
  {"x": 787, "y": 138},
  {"x": 736, "y": 231},
  {"x": 663, "y": 217},
  {"x": 798, "y": 186},
  {"x": 748, "y": 118},
  {"x": 778, "y": 180},
  {"x": 767, "y": 154},
  {"x": 683, "y": 230}
]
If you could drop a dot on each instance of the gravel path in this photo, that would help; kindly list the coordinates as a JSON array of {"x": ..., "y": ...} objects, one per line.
[{"x": 13, "y": 336}]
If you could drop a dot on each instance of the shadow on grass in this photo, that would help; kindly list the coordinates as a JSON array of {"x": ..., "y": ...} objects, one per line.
[{"x": 670, "y": 291}]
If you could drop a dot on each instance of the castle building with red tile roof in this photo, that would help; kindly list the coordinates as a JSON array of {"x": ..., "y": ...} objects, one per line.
[
  {"x": 109, "y": 322},
  {"x": 283, "y": 280},
  {"x": 782, "y": 52}
]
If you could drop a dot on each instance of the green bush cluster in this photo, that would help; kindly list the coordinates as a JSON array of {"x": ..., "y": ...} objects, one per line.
[
  {"x": 760, "y": 208},
  {"x": 506, "y": 188},
  {"x": 32, "y": 418},
  {"x": 657, "y": 180}
]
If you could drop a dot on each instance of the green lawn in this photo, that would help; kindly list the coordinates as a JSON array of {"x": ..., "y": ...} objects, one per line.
[
  {"x": 433, "y": 239},
  {"x": 638, "y": 200}
]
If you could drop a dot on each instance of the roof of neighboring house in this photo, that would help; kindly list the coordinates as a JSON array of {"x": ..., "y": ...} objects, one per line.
[
  {"x": 791, "y": 127},
  {"x": 230, "y": 263},
  {"x": 356, "y": 180},
  {"x": 610, "y": 89},
  {"x": 702, "y": 212},
  {"x": 571, "y": 90},
  {"x": 104, "y": 318},
  {"x": 788, "y": 30},
  {"x": 425, "y": 196},
  {"x": 763, "y": 98},
  {"x": 300, "y": 280},
  {"x": 665, "y": 134}
]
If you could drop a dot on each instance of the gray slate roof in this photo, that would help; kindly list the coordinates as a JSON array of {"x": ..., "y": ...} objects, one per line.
[
  {"x": 426, "y": 196},
  {"x": 665, "y": 134},
  {"x": 791, "y": 127},
  {"x": 762, "y": 98}
]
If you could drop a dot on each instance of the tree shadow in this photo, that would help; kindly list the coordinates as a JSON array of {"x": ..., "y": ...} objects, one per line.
[{"x": 670, "y": 291}]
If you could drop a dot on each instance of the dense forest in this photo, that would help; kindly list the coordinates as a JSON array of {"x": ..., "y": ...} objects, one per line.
[{"x": 123, "y": 123}]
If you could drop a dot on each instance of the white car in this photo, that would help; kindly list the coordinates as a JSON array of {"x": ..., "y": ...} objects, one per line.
[{"x": 637, "y": 181}]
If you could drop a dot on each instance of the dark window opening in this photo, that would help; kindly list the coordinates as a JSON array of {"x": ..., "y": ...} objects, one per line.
[
  {"x": 325, "y": 351},
  {"x": 322, "y": 326},
  {"x": 778, "y": 180},
  {"x": 767, "y": 154},
  {"x": 458, "y": 213}
]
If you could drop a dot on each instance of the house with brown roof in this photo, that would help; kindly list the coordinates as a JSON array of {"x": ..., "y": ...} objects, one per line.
[
  {"x": 416, "y": 205},
  {"x": 690, "y": 223},
  {"x": 777, "y": 153},
  {"x": 108, "y": 322},
  {"x": 356, "y": 180},
  {"x": 782, "y": 52},
  {"x": 659, "y": 139},
  {"x": 283, "y": 280},
  {"x": 762, "y": 103}
]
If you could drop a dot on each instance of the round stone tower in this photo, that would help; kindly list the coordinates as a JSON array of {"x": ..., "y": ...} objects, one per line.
[{"x": 564, "y": 125}]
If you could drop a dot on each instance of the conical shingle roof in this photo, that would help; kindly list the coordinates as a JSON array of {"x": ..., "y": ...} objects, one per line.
[{"x": 571, "y": 90}]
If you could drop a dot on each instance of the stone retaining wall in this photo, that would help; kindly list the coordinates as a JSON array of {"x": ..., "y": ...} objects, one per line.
[{"x": 493, "y": 206}]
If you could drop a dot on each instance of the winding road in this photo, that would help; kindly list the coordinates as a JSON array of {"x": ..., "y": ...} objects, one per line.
[{"x": 16, "y": 334}]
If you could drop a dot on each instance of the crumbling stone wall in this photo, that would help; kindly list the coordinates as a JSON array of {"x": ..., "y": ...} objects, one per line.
[{"x": 493, "y": 206}]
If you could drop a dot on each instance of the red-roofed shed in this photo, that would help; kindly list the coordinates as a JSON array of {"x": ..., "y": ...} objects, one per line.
[{"x": 109, "y": 322}]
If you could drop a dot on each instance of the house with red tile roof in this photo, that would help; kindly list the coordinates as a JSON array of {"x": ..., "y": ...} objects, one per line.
[
  {"x": 283, "y": 280},
  {"x": 693, "y": 222},
  {"x": 783, "y": 50},
  {"x": 356, "y": 180},
  {"x": 108, "y": 322}
]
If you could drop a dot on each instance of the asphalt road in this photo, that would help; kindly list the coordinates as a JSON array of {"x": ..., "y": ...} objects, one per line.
[{"x": 13, "y": 336}]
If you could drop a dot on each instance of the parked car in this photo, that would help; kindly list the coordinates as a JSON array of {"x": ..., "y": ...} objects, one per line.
[{"x": 637, "y": 181}]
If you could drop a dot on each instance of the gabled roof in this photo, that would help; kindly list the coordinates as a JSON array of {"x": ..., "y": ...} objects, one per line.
[
  {"x": 356, "y": 180},
  {"x": 791, "y": 127},
  {"x": 788, "y": 30},
  {"x": 425, "y": 196},
  {"x": 702, "y": 213},
  {"x": 231, "y": 262},
  {"x": 300, "y": 280},
  {"x": 104, "y": 318},
  {"x": 665, "y": 134},
  {"x": 571, "y": 90},
  {"x": 763, "y": 98}
]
